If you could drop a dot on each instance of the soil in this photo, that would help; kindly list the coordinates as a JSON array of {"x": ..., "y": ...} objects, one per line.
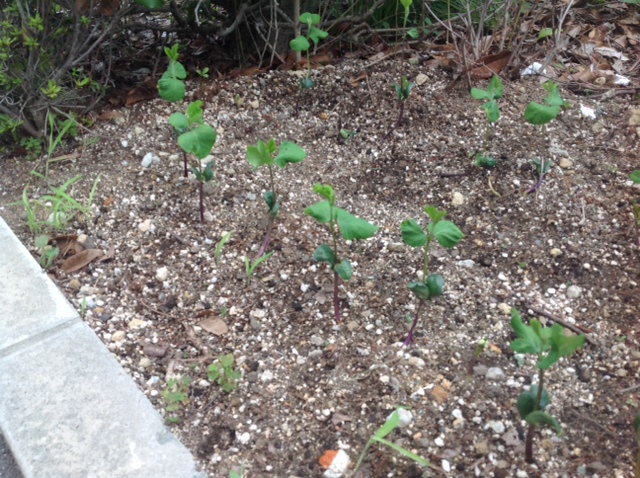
[{"x": 568, "y": 251}]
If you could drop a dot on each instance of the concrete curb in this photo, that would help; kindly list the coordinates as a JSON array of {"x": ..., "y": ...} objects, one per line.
[{"x": 67, "y": 408}]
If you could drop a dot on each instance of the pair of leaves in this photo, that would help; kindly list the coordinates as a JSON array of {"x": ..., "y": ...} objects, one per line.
[
  {"x": 351, "y": 227},
  {"x": 403, "y": 90},
  {"x": 430, "y": 288},
  {"x": 171, "y": 85},
  {"x": 533, "y": 415},
  {"x": 538, "y": 114},
  {"x": 538, "y": 340},
  {"x": 492, "y": 93},
  {"x": 182, "y": 122},
  {"x": 540, "y": 168},
  {"x": 263, "y": 154},
  {"x": 324, "y": 253},
  {"x": 301, "y": 43},
  {"x": 445, "y": 232},
  {"x": 206, "y": 174},
  {"x": 198, "y": 140}
]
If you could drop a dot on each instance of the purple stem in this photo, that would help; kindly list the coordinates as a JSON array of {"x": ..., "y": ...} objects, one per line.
[
  {"x": 336, "y": 300},
  {"x": 409, "y": 338},
  {"x": 540, "y": 179},
  {"x": 396, "y": 124},
  {"x": 186, "y": 169},
  {"x": 201, "y": 202},
  {"x": 267, "y": 238}
]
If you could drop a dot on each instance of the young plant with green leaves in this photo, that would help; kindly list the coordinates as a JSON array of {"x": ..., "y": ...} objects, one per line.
[
  {"x": 176, "y": 395},
  {"x": 194, "y": 135},
  {"x": 390, "y": 425},
  {"x": 340, "y": 222},
  {"x": 403, "y": 90},
  {"x": 539, "y": 114},
  {"x": 267, "y": 154},
  {"x": 48, "y": 253},
  {"x": 301, "y": 44},
  {"x": 222, "y": 372},
  {"x": 548, "y": 345},
  {"x": 444, "y": 233},
  {"x": 251, "y": 266},
  {"x": 490, "y": 96},
  {"x": 413, "y": 32}
]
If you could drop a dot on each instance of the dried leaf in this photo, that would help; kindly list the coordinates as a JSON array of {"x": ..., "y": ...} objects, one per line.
[
  {"x": 216, "y": 326},
  {"x": 77, "y": 262},
  {"x": 146, "y": 91},
  {"x": 490, "y": 65},
  {"x": 440, "y": 394}
]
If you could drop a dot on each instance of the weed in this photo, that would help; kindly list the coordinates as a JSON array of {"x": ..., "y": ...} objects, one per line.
[
  {"x": 350, "y": 227},
  {"x": 548, "y": 344},
  {"x": 390, "y": 425},
  {"x": 539, "y": 115},
  {"x": 176, "y": 395},
  {"x": 48, "y": 253},
  {"x": 222, "y": 372},
  {"x": 264, "y": 154},
  {"x": 403, "y": 90},
  {"x": 221, "y": 244},
  {"x": 251, "y": 266},
  {"x": 447, "y": 235}
]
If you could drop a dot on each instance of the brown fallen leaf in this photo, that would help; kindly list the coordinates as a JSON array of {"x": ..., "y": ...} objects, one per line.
[
  {"x": 490, "y": 65},
  {"x": 440, "y": 394},
  {"x": 77, "y": 262},
  {"x": 215, "y": 326}
]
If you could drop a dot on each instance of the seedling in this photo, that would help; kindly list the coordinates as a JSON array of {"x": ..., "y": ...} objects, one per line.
[
  {"x": 221, "y": 245},
  {"x": 539, "y": 115},
  {"x": 636, "y": 426},
  {"x": 350, "y": 228},
  {"x": 262, "y": 154},
  {"x": 548, "y": 344},
  {"x": 403, "y": 90},
  {"x": 413, "y": 33},
  {"x": 301, "y": 44},
  {"x": 176, "y": 395},
  {"x": 379, "y": 437},
  {"x": 222, "y": 372},
  {"x": 48, "y": 253},
  {"x": 447, "y": 235},
  {"x": 491, "y": 94},
  {"x": 251, "y": 266}
]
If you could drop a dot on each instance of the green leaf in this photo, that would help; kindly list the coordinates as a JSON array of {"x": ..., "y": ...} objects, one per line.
[
  {"x": 310, "y": 18},
  {"x": 538, "y": 417},
  {"x": 324, "y": 253},
  {"x": 344, "y": 270},
  {"x": 198, "y": 141},
  {"x": 179, "y": 121},
  {"x": 527, "y": 401},
  {"x": 561, "y": 345},
  {"x": 483, "y": 161},
  {"x": 545, "y": 32},
  {"x": 171, "y": 89},
  {"x": 316, "y": 34},
  {"x": 299, "y": 44},
  {"x": 172, "y": 52},
  {"x": 479, "y": 94},
  {"x": 553, "y": 98},
  {"x": 391, "y": 424},
  {"x": 434, "y": 214},
  {"x": 493, "y": 111},
  {"x": 528, "y": 342},
  {"x": 635, "y": 176},
  {"x": 195, "y": 112},
  {"x": 413, "y": 33},
  {"x": 207, "y": 173},
  {"x": 272, "y": 203},
  {"x": 446, "y": 233},
  {"x": 150, "y": 3},
  {"x": 259, "y": 155},
  {"x": 406, "y": 3},
  {"x": 412, "y": 233},
  {"x": 289, "y": 153},
  {"x": 435, "y": 284},
  {"x": 420, "y": 290},
  {"x": 352, "y": 227},
  {"x": 42, "y": 241},
  {"x": 496, "y": 90},
  {"x": 402, "y": 451},
  {"x": 538, "y": 114},
  {"x": 326, "y": 192},
  {"x": 175, "y": 69},
  {"x": 320, "y": 211}
]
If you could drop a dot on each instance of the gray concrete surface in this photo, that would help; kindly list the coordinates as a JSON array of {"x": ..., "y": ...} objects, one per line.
[{"x": 67, "y": 408}]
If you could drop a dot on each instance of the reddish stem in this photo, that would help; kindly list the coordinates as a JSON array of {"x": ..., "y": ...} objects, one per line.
[
  {"x": 396, "y": 124},
  {"x": 528, "y": 446},
  {"x": 409, "y": 338},
  {"x": 186, "y": 169},
  {"x": 336, "y": 299},
  {"x": 267, "y": 237},
  {"x": 201, "y": 201}
]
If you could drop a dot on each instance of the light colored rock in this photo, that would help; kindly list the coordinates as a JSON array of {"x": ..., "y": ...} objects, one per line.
[
  {"x": 555, "y": 252},
  {"x": 255, "y": 104},
  {"x": 495, "y": 425},
  {"x": 136, "y": 323},
  {"x": 565, "y": 163},
  {"x": 457, "y": 199},
  {"x": 416, "y": 362},
  {"x": 573, "y": 291},
  {"x": 118, "y": 336},
  {"x": 494, "y": 373},
  {"x": 504, "y": 308},
  {"x": 421, "y": 79},
  {"x": 149, "y": 159},
  {"x": 162, "y": 274},
  {"x": 145, "y": 225}
]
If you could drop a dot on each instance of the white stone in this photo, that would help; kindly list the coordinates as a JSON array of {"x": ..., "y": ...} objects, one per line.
[
  {"x": 145, "y": 225},
  {"x": 457, "y": 199},
  {"x": 162, "y": 274},
  {"x": 573, "y": 291},
  {"x": 339, "y": 465},
  {"x": 406, "y": 417},
  {"x": 149, "y": 159}
]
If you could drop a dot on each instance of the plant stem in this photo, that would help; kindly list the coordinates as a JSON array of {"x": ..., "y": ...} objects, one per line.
[
  {"x": 396, "y": 124},
  {"x": 184, "y": 159},
  {"x": 409, "y": 338},
  {"x": 267, "y": 237},
  {"x": 336, "y": 278},
  {"x": 540, "y": 179},
  {"x": 531, "y": 430},
  {"x": 336, "y": 299},
  {"x": 201, "y": 187}
]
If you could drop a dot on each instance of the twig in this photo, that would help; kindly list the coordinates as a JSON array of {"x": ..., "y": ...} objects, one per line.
[
  {"x": 492, "y": 189},
  {"x": 573, "y": 328}
]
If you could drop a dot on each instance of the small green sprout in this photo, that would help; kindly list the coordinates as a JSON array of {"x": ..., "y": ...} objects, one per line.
[
  {"x": 176, "y": 395},
  {"x": 301, "y": 44},
  {"x": 222, "y": 372},
  {"x": 251, "y": 266},
  {"x": 491, "y": 94}
]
